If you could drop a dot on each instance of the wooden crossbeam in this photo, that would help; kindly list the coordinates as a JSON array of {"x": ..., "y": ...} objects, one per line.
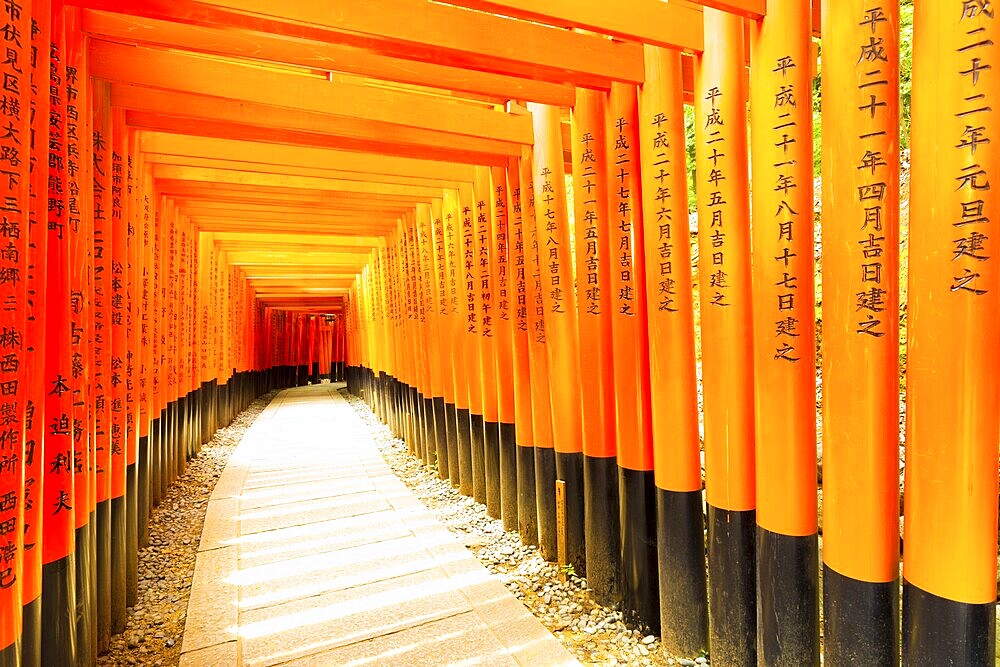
[
  {"x": 415, "y": 30},
  {"x": 241, "y": 114},
  {"x": 234, "y": 177},
  {"x": 670, "y": 24},
  {"x": 260, "y": 168},
  {"x": 367, "y": 227},
  {"x": 249, "y": 192},
  {"x": 177, "y": 123},
  {"x": 362, "y": 243},
  {"x": 172, "y": 70},
  {"x": 156, "y": 143},
  {"x": 322, "y": 56}
]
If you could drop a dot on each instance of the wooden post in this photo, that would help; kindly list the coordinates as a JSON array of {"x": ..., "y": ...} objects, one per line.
[
  {"x": 59, "y": 642},
  {"x": 680, "y": 529},
  {"x": 631, "y": 362},
  {"x": 527, "y": 512},
  {"x": 781, "y": 154},
  {"x": 860, "y": 333},
  {"x": 723, "y": 189},
  {"x": 593, "y": 287},
  {"x": 949, "y": 597}
]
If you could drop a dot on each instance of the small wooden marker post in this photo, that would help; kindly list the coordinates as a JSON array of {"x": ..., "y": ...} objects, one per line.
[{"x": 562, "y": 558}]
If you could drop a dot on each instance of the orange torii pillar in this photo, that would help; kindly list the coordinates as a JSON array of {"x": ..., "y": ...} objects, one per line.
[
  {"x": 503, "y": 331},
  {"x": 459, "y": 471},
  {"x": 950, "y": 501},
  {"x": 593, "y": 287},
  {"x": 441, "y": 377},
  {"x": 101, "y": 189},
  {"x": 485, "y": 273},
  {"x": 14, "y": 361},
  {"x": 118, "y": 297},
  {"x": 520, "y": 215},
  {"x": 431, "y": 375},
  {"x": 541, "y": 406},
  {"x": 861, "y": 333},
  {"x": 474, "y": 485},
  {"x": 59, "y": 640},
  {"x": 723, "y": 189},
  {"x": 637, "y": 492},
  {"x": 451, "y": 331},
  {"x": 79, "y": 226},
  {"x": 144, "y": 309},
  {"x": 784, "y": 349},
  {"x": 555, "y": 258},
  {"x": 36, "y": 230},
  {"x": 680, "y": 528}
]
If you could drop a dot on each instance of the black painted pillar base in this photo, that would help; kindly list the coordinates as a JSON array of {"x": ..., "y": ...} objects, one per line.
[
  {"x": 508, "y": 476},
  {"x": 103, "y": 576},
  {"x": 59, "y": 647},
  {"x": 144, "y": 503},
  {"x": 441, "y": 436},
  {"x": 545, "y": 498},
  {"x": 131, "y": 535},
  {"x": 527, "y": 508},
  {"x": 478, "y": 434},
  {"x": 119, "y": 566},
  {"x": 31, "y": 633},
  {"x": 860, "y": 621},
  {"x": 10, "y": 656},
  {"x": 491, "y": 466},
  {"x": 938, "y": 631},
  {"x": 732, "y": 585},
  {"x": 640, "y": 580},
  {"x": 680, "y": 538},
  {"x": 451, "y": 430},
  {"x": 155, "y": 460},
  {"x": 429, "y": 433},
  {"x": 463, "y": 423},
  {"x": 569, "y": 468},
  {"x": 787, "y": 599},
  {"x": 86, "y": 621},
  {"x": 602, "y": 529}
]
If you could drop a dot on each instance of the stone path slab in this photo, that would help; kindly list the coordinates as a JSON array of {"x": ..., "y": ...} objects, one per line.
[{"x": 314, "y": 553}]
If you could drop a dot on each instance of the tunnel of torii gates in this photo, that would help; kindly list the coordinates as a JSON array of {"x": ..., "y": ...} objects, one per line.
[{"x": 206, "y": 200}]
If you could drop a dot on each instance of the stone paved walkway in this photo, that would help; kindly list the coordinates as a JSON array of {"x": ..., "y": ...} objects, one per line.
[{"x": 314, "y": 553}]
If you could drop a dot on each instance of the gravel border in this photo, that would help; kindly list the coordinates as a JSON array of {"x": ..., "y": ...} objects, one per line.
[
  {"x": 154, "y": 626},
  {"x": 595, "y": 634}
]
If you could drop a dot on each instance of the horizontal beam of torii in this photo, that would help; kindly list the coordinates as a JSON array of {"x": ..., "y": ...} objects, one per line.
[
  {"x": 304, "y": 156},
  {"x": 323, "y": 56},
  {"x": 228, "y": 79},
  {"x": 415, "y": 30}
]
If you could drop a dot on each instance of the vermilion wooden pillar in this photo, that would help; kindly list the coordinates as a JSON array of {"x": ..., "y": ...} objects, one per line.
[
  {"x": 518, "y": 211},
  {"x": 594, "y": 264},
  {"x": 784, "y": 352},
  {"x": 79, "y": 223},
  {"x": 953, "y": 362},
  {"x": 680, "y": 529},
  {"x": 541, "y": 407},
  {"x": 860, "y": 340},
  {"x": 59, "y": 640},
  {"x": 14, "y": 395},
  {"x": 723, "y": 188},
  {"x": 555, "y": 256},
  {"x": 37, "y": 232},
  {"x": 631, "y": 361}
]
